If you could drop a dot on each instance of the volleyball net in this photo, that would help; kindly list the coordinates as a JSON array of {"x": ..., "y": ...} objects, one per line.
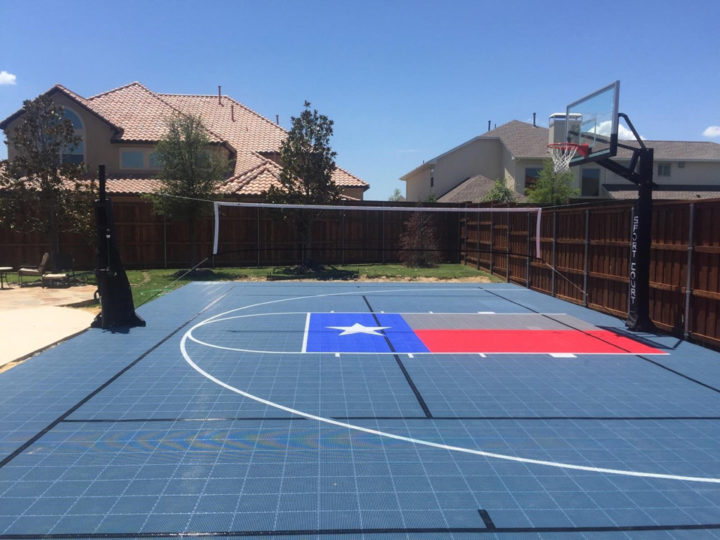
[{"x": 264, "y": 234}]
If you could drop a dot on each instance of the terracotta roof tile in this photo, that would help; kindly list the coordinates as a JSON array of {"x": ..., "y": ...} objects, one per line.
[
  {"x": 132, "y": 185},
  {"x": 139, "y": 114}
]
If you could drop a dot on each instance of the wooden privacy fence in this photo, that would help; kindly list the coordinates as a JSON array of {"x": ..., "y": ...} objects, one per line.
[
  {"x": 248, "y": 237},
  {"x": 585, "y": 259},
  {"x": 585, "y": 250}
]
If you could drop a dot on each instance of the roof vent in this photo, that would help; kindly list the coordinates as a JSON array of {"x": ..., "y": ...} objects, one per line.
[
  {"x": 220, "y": 95},
  {"x": 232, "y": 112}
]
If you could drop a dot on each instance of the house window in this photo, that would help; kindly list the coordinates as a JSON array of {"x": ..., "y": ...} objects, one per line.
[
  {"x": 590, "y": 183},
  {"x": 531, "y": 176},
  {"x": 681, "y": 164},
  {"x": 75, "y": 153},
  {"x": 663, "y": 169},
  {"x": 132, "y": 159}
]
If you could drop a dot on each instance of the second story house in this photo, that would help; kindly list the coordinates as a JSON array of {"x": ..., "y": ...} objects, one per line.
[
  {"x": 515, "y": 152},
  {"x": 120, "y": 128}
]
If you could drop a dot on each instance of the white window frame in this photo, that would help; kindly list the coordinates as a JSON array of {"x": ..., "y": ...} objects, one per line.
[{"x": 79, "y": 132}]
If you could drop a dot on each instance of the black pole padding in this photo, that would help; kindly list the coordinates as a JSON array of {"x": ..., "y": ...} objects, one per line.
[
  {"x": 640, "y": 244},
  {"x": 117, "y": 308}
]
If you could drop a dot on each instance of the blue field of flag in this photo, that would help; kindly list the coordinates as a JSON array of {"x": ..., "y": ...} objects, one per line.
[{"x": 361, "y": 333}]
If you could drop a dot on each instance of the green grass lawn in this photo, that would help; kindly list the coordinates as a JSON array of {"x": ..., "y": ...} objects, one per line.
[{"x": 148, "y": 284}]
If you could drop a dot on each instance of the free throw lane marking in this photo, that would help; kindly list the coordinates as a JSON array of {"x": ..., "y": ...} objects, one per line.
[{"x": 305, "y": 334}]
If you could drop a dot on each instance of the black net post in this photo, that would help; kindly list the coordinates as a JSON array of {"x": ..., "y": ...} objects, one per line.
[{"x": 116, "y": 300}]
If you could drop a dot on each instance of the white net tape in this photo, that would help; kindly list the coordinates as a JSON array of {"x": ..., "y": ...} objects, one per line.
[{"x": 561, "y": 156}]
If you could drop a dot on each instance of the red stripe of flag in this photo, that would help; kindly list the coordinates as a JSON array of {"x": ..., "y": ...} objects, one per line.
[{"x": 531, "y": 341}]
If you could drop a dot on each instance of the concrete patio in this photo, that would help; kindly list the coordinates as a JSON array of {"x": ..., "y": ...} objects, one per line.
[{"x": 33, "y": 318}]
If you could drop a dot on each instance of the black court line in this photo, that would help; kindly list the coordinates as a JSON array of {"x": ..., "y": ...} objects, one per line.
[
  {"x": 696, "y": 381},
  {"x": 378, "y": 531},
  {"x": 100, "y": 388},
  {"x": 214, "y": 419},
  {"x": 487, "y": 520},
  {"x": 409, "y": 380},
  {"x": 678, "y": 373},
  {"x": 399, "y": 418}
]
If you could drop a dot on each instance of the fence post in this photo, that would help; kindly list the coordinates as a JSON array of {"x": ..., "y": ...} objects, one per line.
[
  {"x": 507, "y": 248},
  {"x": 586, "y": 270},
  {"x": 492, "y": 241},
  {"x": 529, "y": 252},
  {"x": 257, "y": 239},
  {"x": 164, "y": 241},
  {"x": 552, "y": 276},
  {"x": 382, "y": 236},
  {"x": 479, "y": 234},
  {"x": 342, "y": 236},
  {"x": 688, "y": 270}
]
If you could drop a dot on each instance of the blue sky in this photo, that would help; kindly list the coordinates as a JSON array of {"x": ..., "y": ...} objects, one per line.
[{"x": 403, "y": 80}]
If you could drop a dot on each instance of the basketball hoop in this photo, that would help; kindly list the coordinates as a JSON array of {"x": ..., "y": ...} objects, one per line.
[{"x": 562, "y": 153}]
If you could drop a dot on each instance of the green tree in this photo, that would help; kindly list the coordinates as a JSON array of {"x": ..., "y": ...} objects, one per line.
[
  {"x": 41, "y": 193},
  {"x": 419, "y": 244},
  {"x": 396, "y": 196},
  {"x": 308, "y": 164},
  {"x": 552, "y": 187},
  {"x": 500, "y": 193},
  {"x": 191, "y": 172}
]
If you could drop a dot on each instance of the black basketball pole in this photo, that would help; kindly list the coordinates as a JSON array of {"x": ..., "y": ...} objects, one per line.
[
  {"x": 640, "y": 172},
  {"x": 116, "y": 300}
]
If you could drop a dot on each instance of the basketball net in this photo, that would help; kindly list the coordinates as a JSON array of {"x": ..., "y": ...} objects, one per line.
[{"x": 562, "y": 154}]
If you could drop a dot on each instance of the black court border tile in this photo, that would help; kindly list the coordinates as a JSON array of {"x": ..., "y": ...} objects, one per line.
[
  {"x": 399, "y": 418},
  {"x": 377, "y": 531}
]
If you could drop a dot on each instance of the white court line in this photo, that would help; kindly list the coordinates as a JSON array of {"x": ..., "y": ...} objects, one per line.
[
  {"x": 411, "y": 440},
  {"x": 305, "y": 335}
]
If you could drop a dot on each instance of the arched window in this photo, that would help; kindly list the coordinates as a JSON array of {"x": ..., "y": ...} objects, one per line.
[{"x": 75, "y": 154}]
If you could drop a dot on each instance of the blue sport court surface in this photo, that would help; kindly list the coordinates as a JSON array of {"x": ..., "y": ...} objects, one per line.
[{"x": 363, "y": 410}]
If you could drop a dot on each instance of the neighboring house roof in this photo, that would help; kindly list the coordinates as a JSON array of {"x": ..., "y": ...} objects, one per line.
[
  {"x": 473, "y": 190},
  {"x": 523, "y": 140},
  {"x": 526, "y": 141},
  {"x": 139, "y": 115},
  {"x": 676, "y": 150}
]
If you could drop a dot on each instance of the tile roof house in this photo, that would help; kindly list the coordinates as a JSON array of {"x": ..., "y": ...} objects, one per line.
[
  {"x": 515, "y": 152},
  {"x": 120, "y": 128}
]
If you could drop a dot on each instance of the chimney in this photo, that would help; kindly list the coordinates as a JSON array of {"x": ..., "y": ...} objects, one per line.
[
  {"x": 219, "y": 94},
  {"x": 534, "y": 114},
  {"x": 232, "y": 112},
  {"x": 277, "y": 119},
  {"x": 489, "y": 122}
]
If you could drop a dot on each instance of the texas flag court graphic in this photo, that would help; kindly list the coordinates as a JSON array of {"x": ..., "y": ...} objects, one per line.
[{"x": 463, "y": 333}]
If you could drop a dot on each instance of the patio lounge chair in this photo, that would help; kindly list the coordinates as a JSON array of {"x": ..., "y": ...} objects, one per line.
[{"x": 39, "y": 270}]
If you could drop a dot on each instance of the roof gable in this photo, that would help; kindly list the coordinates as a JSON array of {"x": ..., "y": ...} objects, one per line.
[
  {"x": 79, "y": 100},
  {"x": 522, "y": 140}
]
